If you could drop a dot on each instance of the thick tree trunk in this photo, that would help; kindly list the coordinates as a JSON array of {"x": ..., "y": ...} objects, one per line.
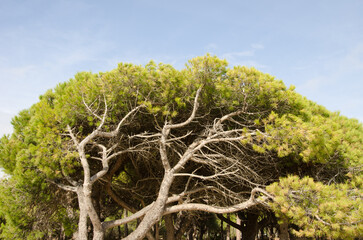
[
  {"x": 284, "y": 230},
  {"x": 86, "y": 209},
  {"x": 156, "y": 211},
  {"x": 170, "y": 230},
  {"x": 249, "y": 231},
  {"x": 82, "y": 233},
  {"x": 98, "y": 233}
]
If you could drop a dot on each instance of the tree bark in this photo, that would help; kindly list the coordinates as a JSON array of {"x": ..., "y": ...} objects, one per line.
[
  {"x": 157, "y": 230},
  {"x": 184, "y": 226},
  {"x": 228, "y": 230},
  {"x": 98, "y": 233},
  {"x": 170, "y": 230},
  {"x": 82, "y": 233},
  {"x": 222, "y": 233},
  {"x": 190, "y": 234},
  {"x": 284, "y": 230},
  {"x": 249, "y": 231},
  {"x": 238, "y": 231},
  {"x": 156, "y": 211},
  {"x": 126, "y": 226}
]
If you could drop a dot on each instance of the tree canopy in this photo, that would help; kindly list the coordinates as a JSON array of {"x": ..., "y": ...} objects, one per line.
[{"x": 149, "y": 145}]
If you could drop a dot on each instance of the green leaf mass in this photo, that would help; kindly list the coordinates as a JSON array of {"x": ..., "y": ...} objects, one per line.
[{"x": 318, "y": 153}]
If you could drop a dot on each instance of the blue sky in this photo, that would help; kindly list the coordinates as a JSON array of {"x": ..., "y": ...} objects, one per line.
[{"x": 315, "y": 45}]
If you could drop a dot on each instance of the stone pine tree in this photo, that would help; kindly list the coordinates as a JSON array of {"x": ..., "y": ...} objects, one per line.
[{"x": 161, "y": 143}]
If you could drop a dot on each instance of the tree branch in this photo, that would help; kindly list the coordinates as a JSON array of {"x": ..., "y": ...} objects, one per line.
[
  {"x": 166, "y": 131},
  {"x": 229, "y": 221},
  {"x": 204, "y": 177},
  {"x": 64, "y": 187},
  {"x": 191, "y": 207},
  {"x": 75, "y": 141},
  {"x": 114, "y": 132},
  {"x": 192, "y": 115}
]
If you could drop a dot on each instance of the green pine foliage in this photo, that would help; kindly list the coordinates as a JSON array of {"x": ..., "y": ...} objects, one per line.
[
  {"x": 320, "y": 210},
  {"x": 318, "y": 153}
]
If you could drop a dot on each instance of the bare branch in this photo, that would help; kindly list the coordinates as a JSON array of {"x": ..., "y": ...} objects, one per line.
[
  {"x": 162, "y": 150},
  {"x": 196, "y": 146},
  {"x": 192, "y": 116},
  {"x": 69, "y": 179},
  {"x": 105, "y": 166},
  {"x": 142, "y": 212},
  {"x": 260, "y": 190},
  {"x": 166, "y": 131},
  {"x": 211, "y": 209},
  {"x": 121, "y": 152},
  {"x": 218, "y": 210},
  {"x": 64, "y": 187},
  {"x": 89, "y": 108},
  {"x": 204, "y": 177},
  {"x": 191, "y": 207},
  {"x": 321, "y": 220},
  {"x": 114, "y": 132},
  {"x": 114, "y": 223},
  {"x": 75, "y": 141}
]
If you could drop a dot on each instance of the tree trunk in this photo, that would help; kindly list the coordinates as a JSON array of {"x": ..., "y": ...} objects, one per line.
[
  {"x": 201, "y": 231},
  {"x": 156, "y": 211},
  {"x": 82, "y": 233},
  {"x": 249, "y": 231},
  {"x": 170, "y": 230},
  {"x": 238, "y": 232},
  {"x": 119, "y": 232},
  {"x": 126, "y": 226},
  {"x": 284, "y": 230},
  {"x": 190, "y": 234},
  {"x": 98, "y": 233},
  {"x": 228, "y": 230},
  {"x": 222, "y": 234},
  {"x": 157, "y": 230},
  {"x": 184, "y": 225}
]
